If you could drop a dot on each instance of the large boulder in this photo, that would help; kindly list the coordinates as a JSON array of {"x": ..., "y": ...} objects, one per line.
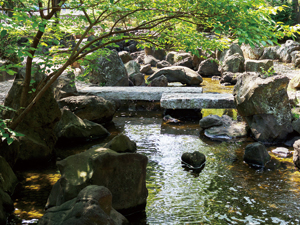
[
  {"x": 208, "y": 67},
  {"x": 92, "y": 108},
  {"x": 233, "y": 63},
  {"x": 252, "y": 53},
  {"x": 210, "y": 121},
  {"x": 286, "y": 49},
  {"x": 72, "y": 129},
  {"x": 233, "y": 49},
  {"x": 38, "y": 125},
  {"x": 296, "y": 156},
  {"x": 270, "y": 53},
  {"x": 265, "y": 106},
  {"x": 256, "y": 154},
  {"x": 93, "y": 205},
  {"x": 109, "y": 71},
  {"x": 64, "y": 86},
  {"x": 180, "y": 74},
  {"x": 259, "y": 65},
  {"x": 124, "y": 174}
]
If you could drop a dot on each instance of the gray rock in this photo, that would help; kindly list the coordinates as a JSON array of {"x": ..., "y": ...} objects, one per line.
[
  {"x": 256, "y": 154},
  {"x": 296, "y": 125},
  {"x": 149, "y": 59},
  {"x": 281, "y": 152},
  {"x": 173, "y": 57},
  {"x": 233, "y": 63},
  {"x": 187, "y": 62},
  {"x": 210, "y": 121},
  {"x": 64, "y": 86},
  {"x": 145, "y": 68},
  {"x": 163, "y": 64},
  {"x": 132, "y": 67},
  {"x": 180, "y": 74},
  {"x": 270, "y": 53},
  {"x": 286, "y": 49},
  {"x": 258, "y": 65},
  {"x": 138, "y": 79},
  {"x": 92, "y": 108},
  {"x": 228, "y": 77},
  {"x": 121, "y": 143},
  {"x": 125, "y": 56},
  {"x": 160, "y": 81},
  {"x": 296, "y": 155},
  {"x": 93, "y": 205},
  {"x": 208, "y": 67},
  {"x": 38, "y": 125},
  {"x": 295, "y": 55},
  {"x": 159, "y": 54},
  {"x": 72, "y": 129},
  {"x": 264, "y": 104},
  {"x": 124, "y": 174},
  {"x": 233, "y": 49},
  {"x": 252, "y": 53},
  {"x": 193, "y": 160},
  {"x": 109, "y": 71}
]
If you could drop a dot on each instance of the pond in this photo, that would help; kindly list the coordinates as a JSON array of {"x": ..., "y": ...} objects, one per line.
[{"x": 227, "y": 191}]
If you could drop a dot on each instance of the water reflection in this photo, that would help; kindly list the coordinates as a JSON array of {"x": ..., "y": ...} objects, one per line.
[{"x": 227, "y": 191}]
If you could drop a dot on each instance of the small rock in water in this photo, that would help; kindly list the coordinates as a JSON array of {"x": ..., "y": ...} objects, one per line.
[
  {"x": 216, "y": 78},
  {"x": 170, "y": 119},
  {"x": 194, "y": 160},
  {"x": 282, "y": 152}
]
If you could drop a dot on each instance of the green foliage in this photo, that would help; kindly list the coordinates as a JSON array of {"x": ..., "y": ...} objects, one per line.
[
  {"x": 267, "y": 73},
  {"x": 286, "y": 14}
]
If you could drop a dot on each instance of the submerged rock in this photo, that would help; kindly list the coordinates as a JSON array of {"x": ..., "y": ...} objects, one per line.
[{"x": 256, "y": 154}]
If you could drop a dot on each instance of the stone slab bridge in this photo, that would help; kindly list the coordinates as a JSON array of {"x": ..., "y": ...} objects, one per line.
[{"x": 169, "y": 97}]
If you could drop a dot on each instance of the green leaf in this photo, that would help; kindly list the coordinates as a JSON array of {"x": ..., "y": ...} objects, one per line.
[
  {"x": 11, "y": 72},
  {"x": 3, "y": 33}
]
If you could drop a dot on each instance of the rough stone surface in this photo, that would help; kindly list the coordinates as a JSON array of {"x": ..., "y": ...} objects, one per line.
[
  {"x": 72, "y": 129},
  {"x": 210, "y": 121},
  {"x": 286, "y": 49},
  {"x": 92, "y": 108},
  {"x": 64, "y": 86},
  {"x": 265, "y": 106},
  {"x": 137, "y": 93},
  {"x": 173, "y": 57},
  {"x": 6, "y": 206},
  {"x": 296, "y": 156},
  {"x": 38, "y": 125},
  {"x": 163, "y": 64},
  {"x": 149, "y": 59},
  {"x": 196, "y": 101},
  {"x": 296, "y": 125},
  {"x": 270, "y": 53},
  {"x": 257, "y": 65},
  {"x": 180, "y": 74},
  {"x": 208, "y": 67},
  {"x": 110, "y": 71},
  {"x": 124, "y": 174},
  {"x": 252, "y": 53},
  {"x": 256, "y": 154},
  {"x": 132, "y": 67},
  {"x": 138, "y": 79},
  {"x": 121, "y": 143},
  {"x": 125, "y": 56},
  {"x": 159, "y": 54},
  {"x": 193, "y": 159},
  {"x": 93, "y": 205},
  {"x": 8, "y": 179},
  {"x": 187, "y": 62},
  {"x": 233, "y": 49},
  {"x": 228, "y": 77},
  {"x": 145, "y": 68},
  {"x": 160, "y": 81},
  {"x": 233, "y": 63},
  {"x": 295, "y": 82}
]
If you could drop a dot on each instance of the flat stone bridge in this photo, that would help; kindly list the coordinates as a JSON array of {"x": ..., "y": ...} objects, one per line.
[{"x": 169, "y": 97}]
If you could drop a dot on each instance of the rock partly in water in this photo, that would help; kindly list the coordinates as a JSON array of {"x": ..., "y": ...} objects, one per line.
[
  {"x": 124, "y": 174},
  {"x": 282, "y": 152},
  {"x": 208, "y": 67},
  {"x": 264, "y": 104},
  {"x": 193, "y": 160},
  {"x": 256, "y": 154},
  {"x": 296, "y": 155},
  {"x": 210, "y": 121},
  {"x": 93, "y": 205},
  {"x": 121, "y": 143},
  {"x": 92, "y": 108},
  {"x": 180, "y": 74}
]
